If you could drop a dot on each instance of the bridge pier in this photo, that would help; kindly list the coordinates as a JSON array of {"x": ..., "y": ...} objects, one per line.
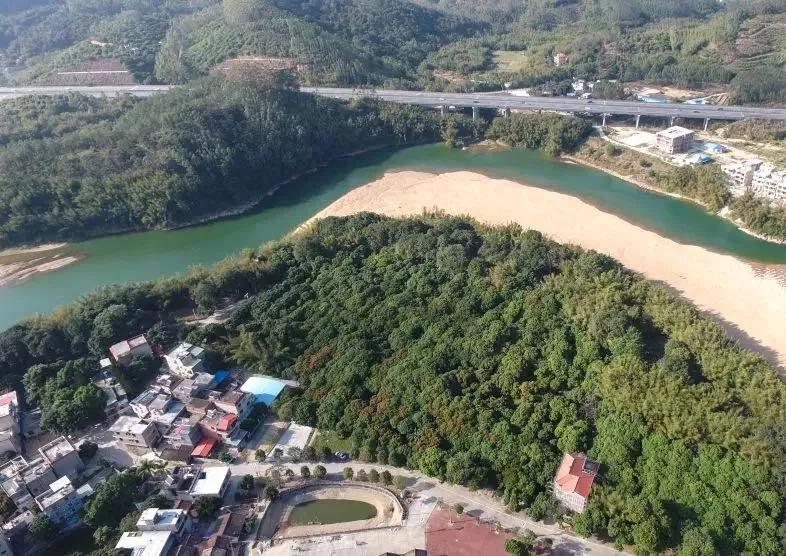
[
  {"x": 474, "y": 112},
  {"x": 441, "y": 109},
  {"x": 604, "y": 120},
  {"x": 638, "y": 117},
  {"x": 505, "y": 112},
  {"x": 671, "y": 121},
  {"x": 706, "y": 123}
]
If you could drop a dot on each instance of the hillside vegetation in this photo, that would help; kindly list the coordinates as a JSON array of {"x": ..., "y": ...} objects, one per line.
[
  {"x": 429, "y": 44},
  {"x": 479, "y": 356},
  {"x": 75, "y": 167}
]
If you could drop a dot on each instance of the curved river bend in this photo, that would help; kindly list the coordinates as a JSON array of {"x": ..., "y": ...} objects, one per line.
[{"x": 147, "y": 255}]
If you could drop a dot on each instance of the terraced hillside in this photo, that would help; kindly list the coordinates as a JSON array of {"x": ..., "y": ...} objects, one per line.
[{"x": 760, "y": 41}]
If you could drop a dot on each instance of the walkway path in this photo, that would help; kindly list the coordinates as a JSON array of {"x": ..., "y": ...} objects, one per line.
[{"x": 481, "y": 504}]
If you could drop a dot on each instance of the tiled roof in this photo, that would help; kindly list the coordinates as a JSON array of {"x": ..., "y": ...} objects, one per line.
[{"x": 576, "y": 474}]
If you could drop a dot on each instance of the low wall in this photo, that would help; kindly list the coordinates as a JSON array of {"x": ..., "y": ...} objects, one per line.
[{"x": 390, "y": 511}]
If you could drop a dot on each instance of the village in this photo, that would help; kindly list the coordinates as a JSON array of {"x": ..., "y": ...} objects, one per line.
[{"x": 228, "y": 477}]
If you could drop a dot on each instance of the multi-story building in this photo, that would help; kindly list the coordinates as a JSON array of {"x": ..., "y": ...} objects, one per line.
[
  {"x": 674, "y": 140},
  {"x": 192, "y": 481},
  {"x": 186, "y": 360},
  {"x": 193, "y": 387},
  {"x": 158, "y": 407},
  {"x": 61, "y": 503},
  {"x": 123, "y": 352},
  {"x": 236, "y": 402},
  {"x": 145, "y": 543},
  {"x": 10, "y": 440},
  {"x": 61, "y": 455},
  {"x": 155, "y": 519},
  {"x": 183, "y": 432},
  {"x": 115, "y": 395},
  {"x": 739, "y": 176},
  {"x": 218, "y": 424},
  {"x": 132, "y": 431},
  {"x": 573, "y": 481},
  {"x": 22, "y": 481},
  {"x": 770, "y": 184}
]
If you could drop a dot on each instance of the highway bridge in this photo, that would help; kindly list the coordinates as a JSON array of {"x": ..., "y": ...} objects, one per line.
[
  {"x": 446, "y": 101},
  {"x": 504, "y": 101}
]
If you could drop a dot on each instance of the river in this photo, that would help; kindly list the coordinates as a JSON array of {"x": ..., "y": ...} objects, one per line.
[{"x": 147, "y": 255}]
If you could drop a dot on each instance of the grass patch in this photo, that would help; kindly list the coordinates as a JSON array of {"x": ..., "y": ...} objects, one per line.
[{"x": 332, "y": 441}]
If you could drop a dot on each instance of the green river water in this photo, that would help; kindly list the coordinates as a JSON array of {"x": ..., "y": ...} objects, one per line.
[{"x": 146, "y": 255}]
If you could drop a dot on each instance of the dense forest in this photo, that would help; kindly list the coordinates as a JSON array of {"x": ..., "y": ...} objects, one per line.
[
  {"x": 76, "y": 167},
  {"x": 434, "y": 44},
  {"x": 406, "y": 334}
]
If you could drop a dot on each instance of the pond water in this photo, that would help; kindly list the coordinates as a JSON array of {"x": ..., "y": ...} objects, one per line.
[{"x": 330, "y": 511}]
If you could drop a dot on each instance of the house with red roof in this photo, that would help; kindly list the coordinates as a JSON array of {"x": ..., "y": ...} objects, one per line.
[{"x": 573, "y": 481}]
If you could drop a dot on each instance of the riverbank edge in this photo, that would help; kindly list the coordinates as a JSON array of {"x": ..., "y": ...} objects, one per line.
[{"x": 724, "y": 213}]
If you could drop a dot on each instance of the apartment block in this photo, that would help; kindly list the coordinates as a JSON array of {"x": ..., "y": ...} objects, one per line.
[
  {"x": 674, "y": 140},
  {"x": 132, "y": 431},
  {"x": 61, "y": 503},
  {"x": 186, "y": 360},
  {"x": 61, "y": 455}
]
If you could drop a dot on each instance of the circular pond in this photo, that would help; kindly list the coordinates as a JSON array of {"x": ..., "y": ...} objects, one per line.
[{"x": 328, "y": 511}]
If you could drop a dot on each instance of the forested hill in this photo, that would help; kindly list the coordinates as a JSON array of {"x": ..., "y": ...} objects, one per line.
[
  {"x": 478, "y": 356},
  {"x": 735, "y": 46},
  {"x": 76, "y": 167}
]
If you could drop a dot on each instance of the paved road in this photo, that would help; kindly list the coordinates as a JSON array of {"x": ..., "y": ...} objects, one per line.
[
  {"x": 100, "y": 91},
  {"x": 463, "y": 100},
  {"x": 481, "y": 504},
  {"x": 560, "y": 104}
]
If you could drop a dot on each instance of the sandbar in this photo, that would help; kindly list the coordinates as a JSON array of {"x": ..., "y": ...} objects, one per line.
[{"x": 748, "y": 300}]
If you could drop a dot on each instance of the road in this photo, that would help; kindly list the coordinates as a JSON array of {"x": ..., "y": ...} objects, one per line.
[
  {"x": 559, "y": 104},
  {"x": 499, "y": 100},
  {"x": 481, "y": 504}
]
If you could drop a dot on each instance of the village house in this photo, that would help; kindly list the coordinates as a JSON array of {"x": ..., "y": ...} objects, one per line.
[
  {"x": 61, "y": 503},
  {"x": 62, "y": 457},
  {"x": 739, "y": 176},
  {"x": 573, "y": 481},
  {"x": 123, "y": 352},
  {"x": 132, "y": 431},
  {"x": 10, "y": 440},
  {"x": 23, "y": 480},
  {"x": 560, "y": 59},
  {"x": 674, "y": 140},
  {"x": 186, "y": 360}
]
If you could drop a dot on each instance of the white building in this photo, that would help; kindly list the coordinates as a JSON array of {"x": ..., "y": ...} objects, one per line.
[
  {"x": 155, "y": 519},
  {"x": 146, "y": 543},
  {"x": 186, "y": 360},
  {"x": 211, "y": 481},
  {"x": 61, "y": 503},
  {"x": 9, "y": 424},
  {"x": 132, "y": 431},
  {"x": 769, "y": 183},
  {"x": 739, "y": 176}
]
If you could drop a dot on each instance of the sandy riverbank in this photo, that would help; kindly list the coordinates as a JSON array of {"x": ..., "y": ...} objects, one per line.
[
  {"x": 749, "y": 300},
  {"x": 20, "y": 263}
]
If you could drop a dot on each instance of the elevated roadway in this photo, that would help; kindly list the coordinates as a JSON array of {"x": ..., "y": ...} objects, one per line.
[
  {"x": 497, "y": 101},
  {"x": 560, "y": 104}
]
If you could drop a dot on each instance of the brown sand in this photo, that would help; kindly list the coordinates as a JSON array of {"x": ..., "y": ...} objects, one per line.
[{"x": 750, "y": 302}]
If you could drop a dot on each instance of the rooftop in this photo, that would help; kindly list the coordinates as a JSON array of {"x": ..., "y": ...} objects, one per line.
[
  {"x": 161, "y": 518},
  {"x": 58, "y": 490},
  {"x": 265, "y": 389},
  {"x": 209, "y": 481},
  {"x": 186, "y": 350},
  {"x": 675, "y": 131},
  {"x": 145, "y": 543},
  {"x": 203, "y": 449},
  {"x": 146, "y": 397},
  {"x": 57, "y": 449},
  {"x": 8, "y": 401},
  {"x": 576, "y": 474},
  {"x": 129, "y": 424},
  {"x": 124, "y": 348}
]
